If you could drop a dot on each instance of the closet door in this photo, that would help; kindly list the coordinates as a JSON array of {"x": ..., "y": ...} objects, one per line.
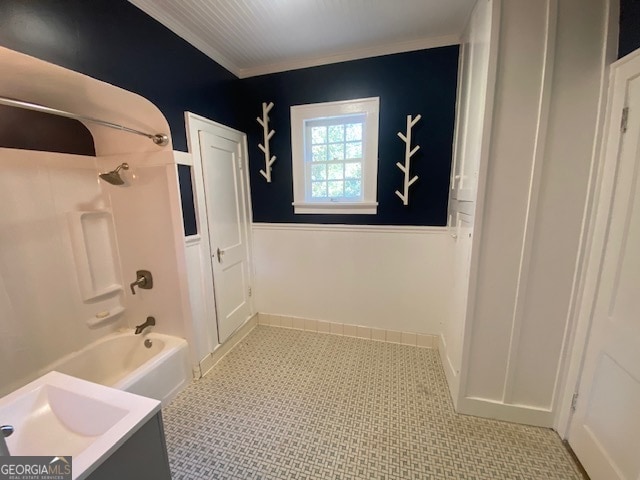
[
  {"x": 605, "y": 429},
  {"x": 226, "y": 198}
]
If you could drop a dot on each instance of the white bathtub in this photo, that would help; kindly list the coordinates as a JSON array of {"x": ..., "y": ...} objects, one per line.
[{"x": 122, "y": 361}]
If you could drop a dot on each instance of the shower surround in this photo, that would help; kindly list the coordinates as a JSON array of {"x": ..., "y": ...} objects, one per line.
[{"x": 69, "y": 242}]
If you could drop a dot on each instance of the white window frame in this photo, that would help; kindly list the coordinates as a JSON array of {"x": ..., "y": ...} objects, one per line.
[{"x": 370, "y": 107}]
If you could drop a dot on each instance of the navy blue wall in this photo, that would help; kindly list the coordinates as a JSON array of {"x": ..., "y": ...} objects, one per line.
[
  {"x": 29, "y": 130},
  {"x": 114, "y": 41},
  {"x": 422, "y": 82},
  {"x": 629, "y": 27}
]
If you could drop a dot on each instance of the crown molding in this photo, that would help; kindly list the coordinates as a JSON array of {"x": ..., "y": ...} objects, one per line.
[
  {"x": 179, "y": 29},
  {"x": 354, "y": 54}
]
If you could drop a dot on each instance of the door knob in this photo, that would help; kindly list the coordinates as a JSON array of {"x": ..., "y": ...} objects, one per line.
[{"x": 219, "y": 253}]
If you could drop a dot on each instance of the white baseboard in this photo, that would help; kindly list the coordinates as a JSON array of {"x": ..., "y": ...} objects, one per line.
[
  {"x": 486, "y": 408},
  {"x": 453, "y": 380},
  {"x": 208, "y": 362},
  {"x": 377, "y": 334},
  {"x": 524, "y": 414}
]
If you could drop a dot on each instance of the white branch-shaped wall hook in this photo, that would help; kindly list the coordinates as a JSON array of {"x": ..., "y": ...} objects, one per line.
[
  {"x": 268, "y": 158},
  {"x": 404, "y": 196}
]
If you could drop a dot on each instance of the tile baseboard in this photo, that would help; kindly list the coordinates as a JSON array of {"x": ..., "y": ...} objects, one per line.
[
  {"x": 347, "y": 330},
  {"x": 208, "y": 362}
]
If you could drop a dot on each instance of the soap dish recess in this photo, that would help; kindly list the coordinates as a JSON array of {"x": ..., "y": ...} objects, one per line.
[{"x": 105, "y": 316}]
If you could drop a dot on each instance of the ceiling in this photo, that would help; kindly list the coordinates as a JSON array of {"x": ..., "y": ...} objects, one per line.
[{"x": 254, "y": 37}]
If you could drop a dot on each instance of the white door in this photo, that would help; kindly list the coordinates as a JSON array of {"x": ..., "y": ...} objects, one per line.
[
  {"x": 605, "y": 429},
  {"x": 225, "y": 194}
]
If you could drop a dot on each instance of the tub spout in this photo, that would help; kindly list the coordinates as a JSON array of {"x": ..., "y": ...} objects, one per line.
[{"x": 149, "y": 323}]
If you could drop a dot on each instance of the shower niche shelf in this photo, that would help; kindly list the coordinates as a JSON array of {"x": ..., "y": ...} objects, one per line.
[
  {"x": 106, "y": 316},
  {"x": 94, "y": 250}
]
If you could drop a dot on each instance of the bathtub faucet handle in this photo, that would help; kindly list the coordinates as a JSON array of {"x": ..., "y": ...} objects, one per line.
[
  {"x": 149, "y": 323},
  {"x": 144, "y": 279}
]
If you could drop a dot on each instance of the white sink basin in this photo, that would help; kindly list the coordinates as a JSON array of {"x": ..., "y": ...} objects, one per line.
[{"x": 59, "y": 415}]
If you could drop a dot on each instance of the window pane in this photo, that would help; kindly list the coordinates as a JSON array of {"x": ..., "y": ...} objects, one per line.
[
  {"x": 319, "y": 153},
  {"x": 336, "y": 189},
  {"x": 319, "y": 172},
  {"x": 318, "y": 134},
  {"x": 353, "y": 170},
  {"x": 354, "y": 131},
  {"x": 318, "y": 190},
  {"x": 352, "y": 188},
  {"x": 354, "y": 150},
  {"x": 329, "y": 156},
  {"x": 336, "y": 151},
  {"x": 336, "y": 171},
  {"x": 336, "y": 133}
]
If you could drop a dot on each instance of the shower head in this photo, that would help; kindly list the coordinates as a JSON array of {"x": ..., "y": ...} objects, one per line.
[{"x": 113, "y": 177}]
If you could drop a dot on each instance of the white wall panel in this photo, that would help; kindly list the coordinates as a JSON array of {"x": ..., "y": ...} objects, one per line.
[
  {"x": 199, "y": 273},
  {"x": 518, "y": 90},
  {"x": 43, "y": 316},
  {"x": 454, "y": 326},
  {"x": 149, "y": 238},
  {"x": 200, "y": 297},
  {"x": 561, "y": 200},
  {"x": 473, "y": 127},
  {"x": 544, "y": 135},
  {"x": 381, "y": 277},
  {"x": 474, "y": 89}
]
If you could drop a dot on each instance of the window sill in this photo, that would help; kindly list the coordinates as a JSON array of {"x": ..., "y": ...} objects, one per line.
[{"x": 338, "y": 208}]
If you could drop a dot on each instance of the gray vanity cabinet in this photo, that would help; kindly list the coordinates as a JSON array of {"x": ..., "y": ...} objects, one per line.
[{"x": 142, "y": 457}]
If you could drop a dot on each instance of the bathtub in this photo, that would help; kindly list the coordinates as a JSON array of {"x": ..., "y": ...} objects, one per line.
[{"x": 123, "y": 361}]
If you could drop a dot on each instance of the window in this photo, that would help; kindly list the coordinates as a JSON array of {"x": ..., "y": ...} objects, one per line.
[{"x": 335, "y": 156}]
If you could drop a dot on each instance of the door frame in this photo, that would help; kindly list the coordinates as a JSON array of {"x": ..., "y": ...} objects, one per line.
[
  {"x": 196, "y": 123},
  {"x": 595, "y": 235}
]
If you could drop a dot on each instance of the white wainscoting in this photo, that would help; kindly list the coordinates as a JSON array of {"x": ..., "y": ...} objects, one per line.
[
  {"x": 385, "y": 277},
  {"x": 200, "y": 277},
  {"x": 200, "y": 296}
]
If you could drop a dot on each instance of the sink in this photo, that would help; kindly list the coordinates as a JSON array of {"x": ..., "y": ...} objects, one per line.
[
  {"x": 71, "y": 421},
  {"x": 60, "y": 415}
]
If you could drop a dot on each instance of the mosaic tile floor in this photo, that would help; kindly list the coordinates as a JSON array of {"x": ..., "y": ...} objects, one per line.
[{"x": 287, "y": 404}]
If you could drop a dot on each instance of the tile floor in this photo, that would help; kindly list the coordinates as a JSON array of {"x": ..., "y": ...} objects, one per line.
[{"x": 288, "y": 404}]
